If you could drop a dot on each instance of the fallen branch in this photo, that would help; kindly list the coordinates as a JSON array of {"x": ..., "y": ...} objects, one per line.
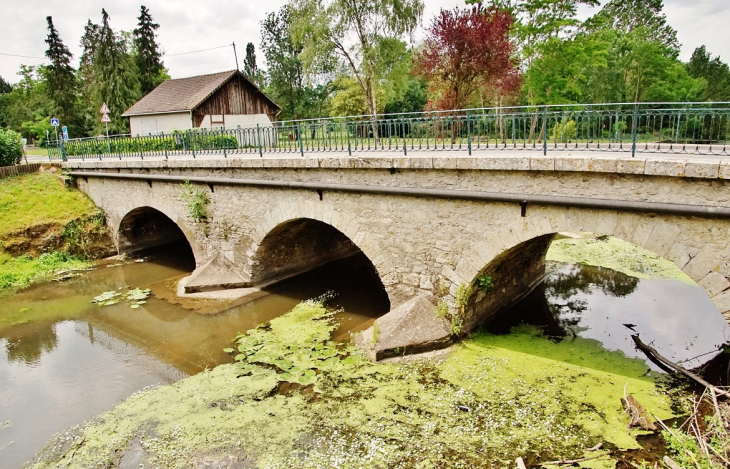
[
  {"x": 564, "y": 462},
  {"x": 652, "y": 351}
]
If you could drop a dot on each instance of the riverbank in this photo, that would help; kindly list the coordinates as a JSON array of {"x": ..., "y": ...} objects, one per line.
[{"x": 46, "y": 228}]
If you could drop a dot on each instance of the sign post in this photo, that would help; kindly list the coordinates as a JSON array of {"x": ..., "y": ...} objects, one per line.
[
  {"x": 105, "y": 119},
  {"x": 55, "y": 124}
]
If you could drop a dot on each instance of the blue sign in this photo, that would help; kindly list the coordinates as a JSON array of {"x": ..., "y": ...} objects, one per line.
[
  {"x": 54, "y": 122},
  {"x": 64, "y": 129},
  {"x": 65, "y": 136}
]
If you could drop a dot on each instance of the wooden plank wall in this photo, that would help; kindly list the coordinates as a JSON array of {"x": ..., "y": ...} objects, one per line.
[
  {"x": 14, "y": 170},
  {"x": 237, "y": 96}
]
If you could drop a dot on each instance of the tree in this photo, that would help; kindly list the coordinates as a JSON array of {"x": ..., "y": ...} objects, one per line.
[
  {"x": 5, "y": 87},
  {"x": 250, "y": 69},
  {"x": 637, "y": 16},
  {"x": 466, "y": 50},
  {"x": 714, "y": 71},
  {"x": 357, "y": 34},
  {"x": 287, "y": 85},
  {"x": 60, "y": 78},
  {"x": 27, "y": 104},
  {"x": 115, "y": 76},
  {"x": 151, "y": 69}
]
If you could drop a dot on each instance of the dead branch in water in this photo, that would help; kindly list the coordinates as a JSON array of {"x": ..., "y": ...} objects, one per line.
[{"x": 652, "y": 351}]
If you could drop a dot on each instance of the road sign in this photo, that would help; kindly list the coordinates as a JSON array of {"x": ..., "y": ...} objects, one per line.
[
  {"x": 104, "y": 109},
  {"x": 64, "y": 129},
  {"x": 54, "y": 122},
  {"x": 65, "y": 135},
  {"x": 105, "y": 118}
]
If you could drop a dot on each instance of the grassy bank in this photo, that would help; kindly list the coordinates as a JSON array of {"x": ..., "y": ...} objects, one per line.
[{"x": 45, "y": 228}]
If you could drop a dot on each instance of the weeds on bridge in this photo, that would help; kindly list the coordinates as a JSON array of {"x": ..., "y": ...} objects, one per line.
[{"x": 197, "y": 201}]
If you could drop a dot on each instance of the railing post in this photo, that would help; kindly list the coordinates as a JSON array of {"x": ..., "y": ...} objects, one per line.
[
  {"x": 258, "y": 138},
  {"x": 405, "y": 148},
  {"x": 468, "y": 131},
  {"x": 192, "y": 147},
  {"x": 164, "y": 144},
  {"x": 635, "y": 130},
  {"x": 544, "y": 131},
  {"x": 224, "y": 141},
  {"x": 347, "y": 131},
  {"x": 299, "y": 137}
]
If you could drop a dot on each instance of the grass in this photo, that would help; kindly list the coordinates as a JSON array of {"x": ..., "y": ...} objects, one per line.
[
  {"x": 36, "y": 151},
  {"x": 35, "y": 199},
  {"x": 19, "y": 272}
]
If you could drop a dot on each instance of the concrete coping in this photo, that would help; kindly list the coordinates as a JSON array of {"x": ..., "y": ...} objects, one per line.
[{"x": 685, "y": 166}]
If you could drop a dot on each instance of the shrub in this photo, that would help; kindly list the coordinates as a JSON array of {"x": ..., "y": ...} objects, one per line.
[{"x": 11, "y": 147}]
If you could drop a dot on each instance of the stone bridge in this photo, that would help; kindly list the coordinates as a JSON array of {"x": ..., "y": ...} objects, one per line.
[{"x": 432, "y": 225}]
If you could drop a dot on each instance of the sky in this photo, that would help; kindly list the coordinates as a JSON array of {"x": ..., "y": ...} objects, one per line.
[{"x": 191, "y": 25}]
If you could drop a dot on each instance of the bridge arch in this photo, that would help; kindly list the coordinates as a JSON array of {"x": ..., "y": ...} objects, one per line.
[
  {"x": 146, "y": 227},
  {"x": 296, "y": 237},
  {"x": 514, "y": 258}
]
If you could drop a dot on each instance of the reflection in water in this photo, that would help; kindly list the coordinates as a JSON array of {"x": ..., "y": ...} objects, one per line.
[
  {"x": 67, "y": 360},
  {"x": 680, "y": 320}
]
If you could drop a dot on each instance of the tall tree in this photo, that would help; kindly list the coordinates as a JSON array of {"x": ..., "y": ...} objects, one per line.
[
  {"x": 89, "y": 41},
  {"x": 359, "y": 34},
  {"x": 60, "y": 78},
  {"x": 250, "y": 69},
  {"x": 300, "y": 97},
  {"x": 466, "y": 50},
  {"x": 5, "y": 87},
  {"x": 115, "y": 76},
  {"x": 151, "y": 68},
  {"x": 643, "y": 17},
  {"x": 714, "y": 71}
]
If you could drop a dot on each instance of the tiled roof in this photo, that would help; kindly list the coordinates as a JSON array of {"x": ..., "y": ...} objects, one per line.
[{"x": 179, "y": 95}]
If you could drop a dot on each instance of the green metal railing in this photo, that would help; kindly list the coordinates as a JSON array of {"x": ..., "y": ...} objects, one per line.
[{"x": 678, "y": 128}]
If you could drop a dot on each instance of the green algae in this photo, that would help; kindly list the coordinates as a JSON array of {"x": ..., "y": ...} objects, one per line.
[
  {"x": 616, "y": 254},
  {"x": 492, "y": 400}
]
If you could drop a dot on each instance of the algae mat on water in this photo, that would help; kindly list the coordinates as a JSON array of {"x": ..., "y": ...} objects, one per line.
[
  {"x": 616, "y": 254},
  {"x": 297, "y": 400}
]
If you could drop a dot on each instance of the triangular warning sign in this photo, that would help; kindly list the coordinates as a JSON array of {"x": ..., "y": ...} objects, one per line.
[
  {"x": 105, "y": 118},
  {"x": 104, "y": 109}
]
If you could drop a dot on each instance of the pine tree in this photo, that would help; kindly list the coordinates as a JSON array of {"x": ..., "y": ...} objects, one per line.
[
  {"x": 250, "y": 69},
  {"x": 5, "y": 87},
  {"x": 148, "y": 52},
  {"x": 60, "y": 79},
  {"x": 115, "y": 79}
]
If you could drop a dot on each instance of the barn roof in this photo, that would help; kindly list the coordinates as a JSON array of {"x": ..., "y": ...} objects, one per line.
[{"x": 185, "y": 94}]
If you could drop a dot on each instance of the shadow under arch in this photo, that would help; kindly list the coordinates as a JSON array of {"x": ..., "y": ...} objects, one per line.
[
  {"x": 301, "y": 245},
  {"x": 147, "y": 230}
]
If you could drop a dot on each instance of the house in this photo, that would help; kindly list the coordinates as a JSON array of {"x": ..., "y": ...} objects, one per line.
[{"x": 217, "y": 101}]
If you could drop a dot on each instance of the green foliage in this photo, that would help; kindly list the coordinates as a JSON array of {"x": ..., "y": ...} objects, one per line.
[
  {"x": 187, "y": 141},
  {"x": 135, "y": 298},
  {"x": 147, "y": 57},
  {"x": 11, "y": 147},
  {"x": 484, "y": 283},
  {"x": 81, "y": 234},
  {"x": 714, "y": 71},
  {"x": 442, "y": 310},
  {"x": 60, "y": 79},
  {"x": 37, "y": 129},
  {"x": 197, "y": 201},
  {"x": 563, "y": 131}
]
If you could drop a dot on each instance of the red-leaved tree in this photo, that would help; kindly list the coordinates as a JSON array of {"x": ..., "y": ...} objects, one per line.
[{"x": 465, "y": 51}]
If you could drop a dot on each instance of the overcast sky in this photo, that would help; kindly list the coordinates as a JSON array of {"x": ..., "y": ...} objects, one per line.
[{"x": 189, "y": 25}]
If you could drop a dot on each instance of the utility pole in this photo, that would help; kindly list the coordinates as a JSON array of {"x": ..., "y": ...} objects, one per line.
[{"x": 235, "y": 54}]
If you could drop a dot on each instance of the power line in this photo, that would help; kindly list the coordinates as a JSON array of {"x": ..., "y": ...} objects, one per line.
[
  {"x": 23, "y": 56},
  {"x": 196, "y": 51}
]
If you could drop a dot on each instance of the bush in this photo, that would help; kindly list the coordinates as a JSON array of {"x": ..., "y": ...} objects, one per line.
[{"x": 11, "y": 147}]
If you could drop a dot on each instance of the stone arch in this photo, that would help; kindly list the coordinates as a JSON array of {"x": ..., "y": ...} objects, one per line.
[
  {"x": 341, "y": 221},
  {"x": 696, "y": 245},
  {"x": 147, "y": 227}
]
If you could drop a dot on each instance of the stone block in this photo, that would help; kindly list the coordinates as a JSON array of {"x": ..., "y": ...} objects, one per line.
[
  {"x": 412, "y": 327},
  {"x": 572, "y": 163},
  {"x": 724, "y": 169},
  {"x": 602, "y": 164},
  {"x": 607, "y": 223},
  {"x": 630, "y": 165},
  {"x": 449, "y": 274},
  {"x": 678, "y": 254},
  {"x": 466, "y": 162},
  {"x": 714, "y": 283},
  {"x": 311, "y": 162},
  {"x": 542, "y": 163},
  {"x": 662, "y": 237},
  {"x": 665, "y": 167},
  {"x": 503, "y": 163},
  {"x": 442, "y": 161},
  {"x": 706, "y": 261},
  {"x": 722, "y": 301},
  {"x": 641, "y": 234},
  {"x": 401, "y": 162},
  {"x": 421, "y": 162},
  {"x": 702, "y": 169}
]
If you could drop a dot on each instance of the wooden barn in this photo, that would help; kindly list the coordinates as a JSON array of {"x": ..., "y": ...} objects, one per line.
[{"x": 217, "y": 101}]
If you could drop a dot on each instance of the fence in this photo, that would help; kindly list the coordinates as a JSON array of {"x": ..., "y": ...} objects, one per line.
[
  {"x": 682, "y": 128},
  {"x": 14, "y": 170}
]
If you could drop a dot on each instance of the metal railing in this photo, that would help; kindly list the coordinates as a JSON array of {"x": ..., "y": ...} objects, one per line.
[{"x": 678, "y": 128}]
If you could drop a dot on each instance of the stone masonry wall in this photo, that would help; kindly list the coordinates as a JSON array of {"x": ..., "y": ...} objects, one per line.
[{"x": 419, "y": 243}]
